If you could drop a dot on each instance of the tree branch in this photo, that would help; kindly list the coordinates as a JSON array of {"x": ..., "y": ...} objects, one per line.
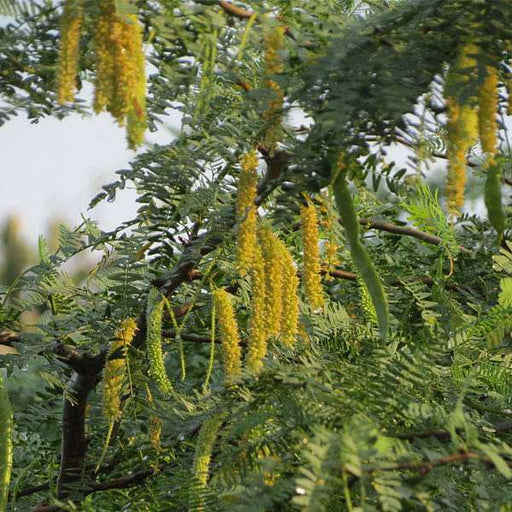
[
  {"x": 119, "y": 483},
  {"x": 74, "y": 442}
]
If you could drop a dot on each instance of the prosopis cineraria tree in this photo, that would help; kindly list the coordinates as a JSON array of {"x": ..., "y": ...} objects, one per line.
[{"x": 292, "y": 321}]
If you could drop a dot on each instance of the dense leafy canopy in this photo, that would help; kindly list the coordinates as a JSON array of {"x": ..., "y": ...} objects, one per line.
[{"x": 153, "y": 383}]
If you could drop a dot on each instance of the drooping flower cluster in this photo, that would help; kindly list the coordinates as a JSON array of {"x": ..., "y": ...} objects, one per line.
[
  {"x": 120, "y": 86},
  {"x": 203, "y": 454},
  {"x": 246, "y": 212},
  {"x": 115, "y": 370},
  {"x": 271, "y": 252},
  {"x": 154, "y": 342},
  {"x": 230, "y": 338},
  {"x": 290, "y": 298},
  {"x": 470, "y": 117},
  {"x": 311, "y": 271},
  {"x": 487, "y": 114},
  {"x": 273, "y": 40},
  {"x": 462, "y": 126},
  {"x": 120, "y": 83},
  {"x": 258, "y": 324},
  {"x": 69, "y": 51}
]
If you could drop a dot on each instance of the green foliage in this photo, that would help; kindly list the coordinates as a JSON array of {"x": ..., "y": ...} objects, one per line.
[{"x": 414, "y": 415}]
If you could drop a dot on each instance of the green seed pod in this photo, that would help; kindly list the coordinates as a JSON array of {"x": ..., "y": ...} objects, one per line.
[
  {"x": 154, "y": 342},
  {"x": 492, "y": 199},
  {"x": 6, "y": 428},
  {"x": 359, "y": 255}
]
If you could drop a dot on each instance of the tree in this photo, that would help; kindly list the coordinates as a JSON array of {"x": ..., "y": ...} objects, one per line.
[{"x": 269, "y": 333}]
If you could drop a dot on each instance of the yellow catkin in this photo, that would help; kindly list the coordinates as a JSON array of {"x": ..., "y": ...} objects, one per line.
[
  {"x": 258, "y": 323},
  {"x": 69, "y": 52},
  {"x": 487, "y": 114},
  {"x": 330, "y": 248},
  {"x": 114, "y": 371},
  {"x": 290, "y": 298},
  {"x": 120, "y": 86},
  {"x": 104, "y": 86},
  {"x": 246, "y": 212},
  {"x": 462, "y": 126},
  {"x": 203, "y": 454},
  {"x": 272, "y": 257},
  {"x": 230, "y": 338},
  {"x": 273, "y": 61},
  {"x": 311, "y": 271},
  {"x": 157, "y": 371}
]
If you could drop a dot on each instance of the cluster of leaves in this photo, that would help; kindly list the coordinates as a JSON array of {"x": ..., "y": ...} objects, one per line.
[{"x": 346, "y": 420}]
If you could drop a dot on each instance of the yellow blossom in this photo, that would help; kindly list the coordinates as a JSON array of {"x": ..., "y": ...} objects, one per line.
[
  {"x": 290, "y": 298},
  {"x": 461, "y": 127},
  {"x": 487, "y": 114},
  {"x": 69, "y": 52},
  {"x": 114, "y": 371},
  {"x": 311, "y": 272},
  {"x": 258, "y": 328},
  {"x": 229, "y": 335},
  {"x": 272, "y": 257},
  {"x": 246, "y": 212}
]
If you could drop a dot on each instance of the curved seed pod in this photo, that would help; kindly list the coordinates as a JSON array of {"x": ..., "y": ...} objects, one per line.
[
  {"x": 311, "y": 273},
  {"x": 246, "y": 212},
  {"x": 258, "y": 328},
  {"x": 114, "y": 371},
  {"x": 154, "y": 342},
  {"x": 359, "y": 255},
  {"x": 272, "y": 258},
  {"x": 69, "y": 51},
  {"x": 488, "y": 114},
  {"x": 493, "y": 199},
  {"x": 6, "y": 428},
  {"x": 290, "y": 298},
  {"x": 232, "y": 354}
]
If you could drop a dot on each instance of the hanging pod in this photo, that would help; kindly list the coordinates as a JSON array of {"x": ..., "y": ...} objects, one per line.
[{"x": 360, "y": 257}]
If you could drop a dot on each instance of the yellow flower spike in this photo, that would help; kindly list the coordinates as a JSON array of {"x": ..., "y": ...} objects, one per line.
[
  {"x": 290, "y": 298},
  {"x": 114, "y": 371},
  {"x": 120, "y": 86},
  {"x": 136, "y": 117},
  {"x": 273, "y": 61},
  {"x": 272, "y": 257},
  {"x": 246, "y": 212},
  {"x": 487, "y": 114},
  {"x": 462, "y": 126},
  {"x": 311, "y": 272},
  {"x": 104, "y": 86},
  {"x": 258, "y": 328},
  {"x": 69, "y": 52},
  {"x": 274, "y": 41},
  {"x": 230, "y": 338},
  {"x": 155, "y": 353},
  {"x": 203, "y": 454}
]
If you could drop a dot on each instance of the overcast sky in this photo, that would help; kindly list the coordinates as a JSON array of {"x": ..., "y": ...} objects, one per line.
[{"x": 54, "y": 168}]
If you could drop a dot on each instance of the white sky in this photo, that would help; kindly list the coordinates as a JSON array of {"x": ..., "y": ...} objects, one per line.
[{"x": 54, "y": 168}]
